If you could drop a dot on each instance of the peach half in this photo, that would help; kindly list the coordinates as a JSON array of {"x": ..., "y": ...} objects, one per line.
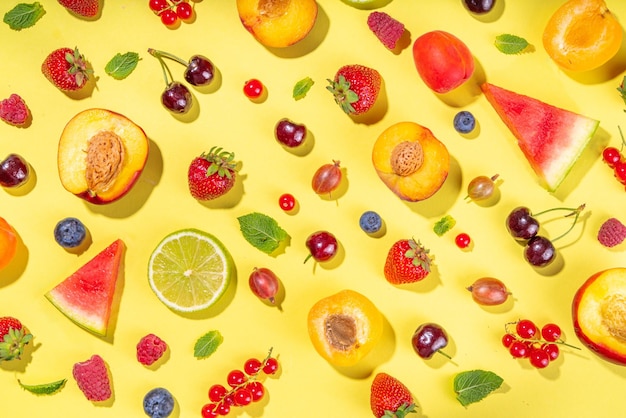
[
  {"x": 101, "y": 155},
  {"x": 410, "y": 161},
  {"x": 599, "y": 314},
  {"x": 278, "y": 23}
]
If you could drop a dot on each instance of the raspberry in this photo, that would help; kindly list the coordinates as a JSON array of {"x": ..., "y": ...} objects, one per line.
[
  {"x": 612, "y": 233},
  {"x": 149, "y": 349},
  {"x": 93, "y": 380},
  {"x": 13, "y": 110},
  {"x": 387, "y": 29}
]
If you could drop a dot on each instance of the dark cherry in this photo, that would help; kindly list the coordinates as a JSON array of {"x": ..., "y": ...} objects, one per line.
[
  {"x": 14, "y": 171},
  {"x": 479, "y": 6},
  {"x": 289, "y": 133},
  {"x": 428, "y": 339},
  {"x": 521, "y": 224},
  {"x": 200, "y": 71},
  {"x": 539, "y": 251},
  {"x": 176, "y": 98},
  {"x": 322, "y": 246}
]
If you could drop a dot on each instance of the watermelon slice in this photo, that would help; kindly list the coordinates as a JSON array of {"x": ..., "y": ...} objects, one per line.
[
  {"x": 86, "y": 296},
  {"x": 552, "y": 139}
]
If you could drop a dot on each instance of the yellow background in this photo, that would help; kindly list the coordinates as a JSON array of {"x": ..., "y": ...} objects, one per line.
[{"x": 578, "y": 384}]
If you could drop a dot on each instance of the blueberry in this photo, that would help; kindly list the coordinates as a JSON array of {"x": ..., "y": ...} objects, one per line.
[
  {"x": 370, "y": 222},
  {"x": 464, "y": 122},
  {"x": 158, "y": 403},
  {"x": 69, "y": 233}
]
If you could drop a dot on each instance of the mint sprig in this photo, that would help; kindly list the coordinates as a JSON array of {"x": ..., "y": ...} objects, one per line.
[
  {"x": 121, "y": 65},
  {"x": 43, "y": 389},
  {"x": 207, "y": 344},
  {"x": 262, "y": 231},
  {"x": 302, "y": 87},
  {"x": 510, "y": 44},
  {"x": 474, "y": 385},
  {"x": 24, "y": 15},
  {"x": 444, "y": 224}
]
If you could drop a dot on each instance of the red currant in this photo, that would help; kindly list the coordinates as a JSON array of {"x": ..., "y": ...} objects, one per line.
[
  {"x": 619, "y": 170},
  {"x": 462, "y": 240},
  {"x": 253, "y": 89},
  {"x": 217, "y": 393},
  {"x": 252, "y": 366},
  {"x": 507, "y": 340},
  {"x": 539, "y": 358},
  {"x": 222, "y": 409},
  {"x": 271, "y": 365},
  {"x": 257, "y": 390},
  {"x": 518, "y": 349},
  {"x": 208, "y": 410},
  {"x": 236, "y": 378},
  {"x": 184, "y": 11},
  {"x": 611, "y": 156},
  {"x": 169, "y": 17},
  {"x": 526, "y": 329},
  {"x": 287, "y": 202},
  {"x": 243, "y": 397},
  {"x": 552, "y": 350},
  {"x": 158, "y": 5},
  {"x": 551, "y": 332}
]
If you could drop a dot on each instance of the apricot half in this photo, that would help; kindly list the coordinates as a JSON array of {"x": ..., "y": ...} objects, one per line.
[
  {"x": 411, "y": 161},
  {"x": 8, "y": 243},
  {"x": 599, "y": 314},
  {"x": 278, "y": 23},
  {"x": 101, "y": 155},
  {"x": 344, "y": 327},
  {"x": 582, "y": 35}
]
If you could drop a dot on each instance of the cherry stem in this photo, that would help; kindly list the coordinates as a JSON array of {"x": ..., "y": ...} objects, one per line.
[
  {"x": 164, "y": 67},
  {"x": 622, "y": 136},
  {"x": 164, "y": 54},
  {"x": 576, "y": 214},
  {"x": 443, "y": 353}
]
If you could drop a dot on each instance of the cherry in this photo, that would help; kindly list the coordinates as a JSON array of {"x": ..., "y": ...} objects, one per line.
[
  {"x": 322, "y": 246},
  {"x": 200, "y": 70},
  {"x": 176, "y": 98},
  {"x": 521, "y": 224},
  {"x": 539, "y": 251},
  {"x": 14, "y": 171},
  {"x": 253, "y": 89},
  {"x": 479, "y": 6},
  {"x": 428, "y": 339},
  {"x": 289, "y": 133}
]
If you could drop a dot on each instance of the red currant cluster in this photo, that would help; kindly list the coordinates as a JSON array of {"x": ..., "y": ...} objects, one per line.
[
  {"x": 540, "y": 347},
  {"x": 245, "y": 387},
  {"x": 170, "y": 11},
  {"x": 614, "y": 159}
]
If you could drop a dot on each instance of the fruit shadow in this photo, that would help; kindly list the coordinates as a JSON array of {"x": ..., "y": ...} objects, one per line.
[
  {"x": 214, "y": 85},
  {"x": 440, "y": 203},
  {"x": 367, "y": 5},
  {"x": 334, "y": 262},
  {"x": 19, "y": 365},
  {"x": 16, "y": 267},
  {"x": 310, "y": 42},
  {"x": 304, "y": 148},
  {"x": 87, "y": 90},
  {"x": 139, "y": 193},
  {"x": 381, "y": 353}
]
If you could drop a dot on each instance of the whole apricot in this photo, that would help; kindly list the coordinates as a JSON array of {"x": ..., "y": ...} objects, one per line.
[
  {"x": 442, "y": 60},
  {"x": 8, "y": 243},
  {"x": 582, "y": 35},
  {"x": 344, "y": 327}
]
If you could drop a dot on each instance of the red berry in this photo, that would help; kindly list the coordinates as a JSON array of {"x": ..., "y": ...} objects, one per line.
[
  {"x": 462, "y": 240},
  {"x": 169, "y": 17},
  {"x": 208, "y": 410},
  {"x": 252, "y": 366},
  {"x": 539, "y": 358},
  {"x": 611, "y": 156},
  {"x": 236, "y": 378},
  {"x": 551, "y": 332},
  {"x": 184, "y": 11},
  {"x": 552, "y": 350},
  {"x": 222, "y": 409},
  {"x": 158, "y": 5},
  {"x": 271, "y": 365},
  {"x": 619, "y": 170},
  {"x": 518, "y": 349},
  {"x": 526, "y": 329},
  {"x": 257, "y": 390},
  {"x": 243, "y": 397},
  {"x": 287, "y": 202},
  {"x": 507, "y": 340},
  {"x": 217, "y": 393},
  {"x": 253, "y": 89}
]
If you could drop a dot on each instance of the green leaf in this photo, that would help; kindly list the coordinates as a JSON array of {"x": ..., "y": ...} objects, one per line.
[
  {"x": 121, "y": 65},
  {"x": 262, "y": 231},
  {"x": 302, "y": 87},
  {"x": 474, "y": 385},
  {"x": 43, "y": 389},
  {"x": 444, "y": 224},
  {"x": 24, "y": 15},
  {"x": 510, "y": 44},
  {"x": 207, "y": 344}
]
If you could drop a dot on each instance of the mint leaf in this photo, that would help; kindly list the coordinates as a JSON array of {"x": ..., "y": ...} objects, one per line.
[
  {"x": 207, "y": 344},
  {"x": 24, "y": 15},
  {"x": 121, "y": 65},
  {"x": 474, "y": 385},
  {"x": 444, "y": 224},
  {"x": 261, "y": 231},
  {"x": 510, "y": 44},
  {"x": 302, "y": 87},
  {"x": 43, "y": 389}
]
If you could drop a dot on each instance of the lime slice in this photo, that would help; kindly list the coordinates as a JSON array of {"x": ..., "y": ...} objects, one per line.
[{"x": 190, "y": 270}]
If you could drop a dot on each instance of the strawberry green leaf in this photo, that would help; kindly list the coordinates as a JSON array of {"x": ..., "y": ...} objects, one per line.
[
  {"x": 121, "y": 65},
  {"x": 24, "y": 15},
  {"x": 622, "y": 90},
  {"x": 262, "y": 231},
  {"x": 45, "y": 388},
  {"x": 510, "y": 44},
  {"x": 444, "y": 224},
  {"x": 474, "y": 385},
  {"x": 207, "y": 344},
  {"x": 302, "y": 87}
]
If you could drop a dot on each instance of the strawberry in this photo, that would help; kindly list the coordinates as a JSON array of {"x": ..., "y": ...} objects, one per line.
[
  {"x": 390, "y": 398},
  {"x": 84, "y": 8},
  {"x": 355, "y": 88},
  {"x": 66, "y": 68},
  {"x": 407, "y": 262},
  {"x": 212, "y": 174},
  {"x": 13, "y": 338}
]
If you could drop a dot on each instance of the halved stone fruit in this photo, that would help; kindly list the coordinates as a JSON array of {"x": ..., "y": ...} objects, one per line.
[
  {"x": 599, "y": 314},
  {"x": 101, "y": 155}
]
